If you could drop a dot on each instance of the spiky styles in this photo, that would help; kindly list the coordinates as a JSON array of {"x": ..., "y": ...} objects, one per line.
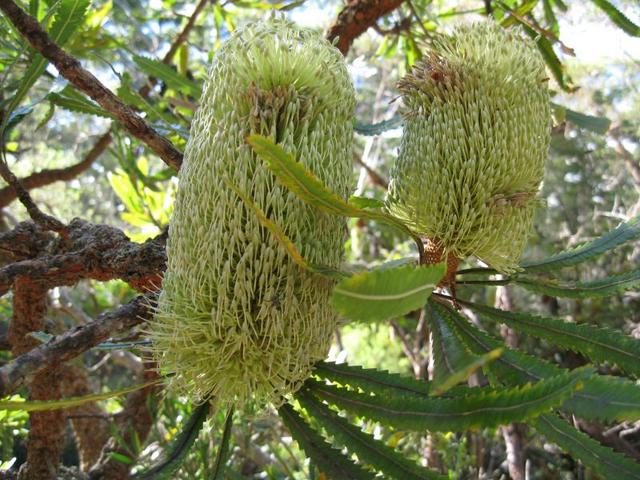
[
  {"x": 475, "y": 141},
  {"x": 237, "y": 319}
]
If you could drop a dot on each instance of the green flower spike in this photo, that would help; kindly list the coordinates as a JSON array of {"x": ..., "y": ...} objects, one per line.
[
  {"x": 475, "y": 141},
  {"x": 237, "y": 319}
]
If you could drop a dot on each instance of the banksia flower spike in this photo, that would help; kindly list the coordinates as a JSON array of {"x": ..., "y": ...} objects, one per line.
[
  {"x": 475, "y": 141},
  {"x": 237, "y": 319}
]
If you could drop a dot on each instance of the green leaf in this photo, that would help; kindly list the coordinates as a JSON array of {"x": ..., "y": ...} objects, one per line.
[
  {"x": 329, "y": 460},
  {"x": 619, "y": 18},
  {"x": 479, "y": 410},
  {"x": 384, "y": 293},
  {"x": 603, "y": 397},
  {"x": 164, "y": 72},
  {"x": 309, "y": 188},
  {"x": 177, "y": 451},
  {"x": 77, "y": 104},
  {"x": 366, "y": 202},
  {"x": 223, "y": 449},
  {"x": 453, "y": 362},
  {"x": 369, "y": 450},
  {"x": 605, "y": 287},
  {"x": 623, "y": 233},
  {"x": 550, "y": 57},
  {"x": 43, "y": 405},
  {"x": 380, "y": 127},
  {"x": 588, "y": 122},
  {"x": 611, "y": 465},
  {"x": 370, "y": 379},
  {"x": 69, "y": 16},
  {"x": 598, "y": 343}
]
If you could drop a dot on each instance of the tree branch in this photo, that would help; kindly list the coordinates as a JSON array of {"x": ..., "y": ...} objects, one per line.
[
  {"x": 70, "y": 68},
  {"x": 356, "y": 18},
  {"x": 74, "y": 342},
  {"x": 46, "y": 177}
]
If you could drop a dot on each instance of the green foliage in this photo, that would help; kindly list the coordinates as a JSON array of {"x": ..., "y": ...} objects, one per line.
[
  {"x": 598, "y": 343},
  {"x": 369, "y": 450},
  {"x": 384, "y": 293},
  {"x": 610, "y": 464},
  {"x": 329, "y": 460},
  {"x": 453, "y": 361},
  {"x": 222, "y": 455},
  {"x": 617, "y": 17},
  {"x": 604, "y": 287},
  {"x": 472, "y": 410},
  {"x": 623, "y": 233},
  {"x": 177, "y": 451},
  {"x": 162, "y": 71}
]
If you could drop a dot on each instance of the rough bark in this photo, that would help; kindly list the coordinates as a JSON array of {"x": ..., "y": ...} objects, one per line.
[{"x": 356, "y": 18}]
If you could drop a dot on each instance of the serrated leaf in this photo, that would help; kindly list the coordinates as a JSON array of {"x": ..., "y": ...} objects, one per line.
[
  {"x": 598, "y": 343},
  {"x": 43, "y": 405},
  {"x": 330, "y": 461},
  {"x": 588, "y": 122},
  {"x": 370, "y": 379},
  {"x": 623, "y": 233},
  {"x": 369, "y": 450},
  {"x": 453, "y": 362},
  {"x": 604, "y": 287},
  {"x": 384, "y": 293},
  {"x": 222, "y": 456},
  {"x": 550, "y": 58},
  {"x": 611, "y": 465},
  {"x": 603, "y": 397},
  {"x": 70, "y": 14},
  {"x": 309, "y": 188},
  {"x": 177, "y": 451},
  {"x": 479, "y": 410},
  {"x": 164, "y": 72},
  {"x": 619, "y": 18},
  {"x": 380, "y": 127},
  {"x": 75, "y": 104}
]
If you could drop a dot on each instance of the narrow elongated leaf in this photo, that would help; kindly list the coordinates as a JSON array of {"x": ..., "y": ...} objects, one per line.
[
  {"x": 179, "y": 447},
  {"x": 550, "y": 57},
  {"x": 329, "y": 460},
  {"x": 164, "y": 72},
  {"x": 605, "y": 287},
  {"x": 611, "y": 465},
  {"x": 222, "y": 456},
  {"x": 381, "y": 294},
  {"x": 369, "y": 450},
  {"x": 598, "y": 343},
  {"x": 454, "y": 414},
  {"x": 75, "y": 104},
  {"x": 378, "y": 128},
  {"x": 44, "y": 337},
  {"x": 366, "y": 202},
  {"x": 602, "y": 398},
  {"x": 309, "y": 188},
  {"x": 453, "y": 361},
  {"x": 42, "y": 405},
  {"x": 370, "y": 379},
  {"x": 69, "y": 16},
  {"x": 588, "y": 122},
  {"x": 619, "y": 18},
  {"x": 623, "y": 233}
]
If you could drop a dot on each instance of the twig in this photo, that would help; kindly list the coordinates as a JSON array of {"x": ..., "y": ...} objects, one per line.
[
  {"x": 45, "y": 221},
  {"x": 74, "y": 342},
  {"x": 71, "y": 69},
  {"x": 47, "y": 177}
]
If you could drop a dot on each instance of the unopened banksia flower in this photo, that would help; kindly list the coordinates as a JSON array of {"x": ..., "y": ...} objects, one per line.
[
  {"x": 237, "y": 319},
  {"x": 475, "y": 141}
]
